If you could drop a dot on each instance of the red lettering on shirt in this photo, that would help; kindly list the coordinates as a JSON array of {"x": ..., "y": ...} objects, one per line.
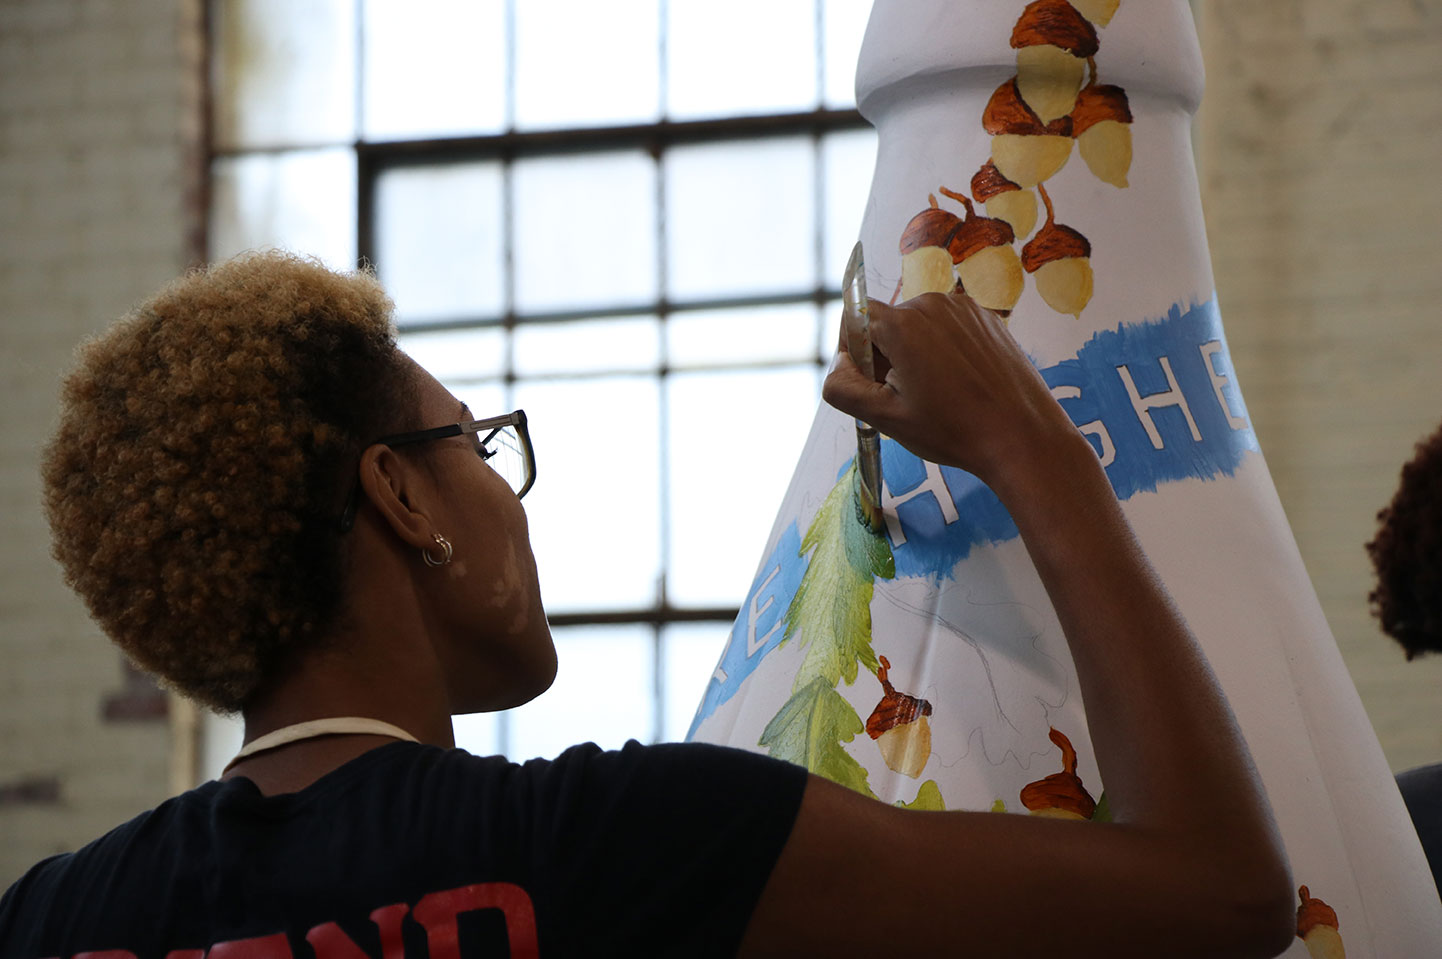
[
  {"x": 275, "y": 946},
  {"x": 330, "y": 942},
  {"x": 388, "y": 921},
  {"x": 437, "y": 912}
]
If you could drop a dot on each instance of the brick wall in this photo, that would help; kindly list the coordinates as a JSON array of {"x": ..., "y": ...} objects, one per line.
[
  {"x": 1320, "y": 146},
  {"x": 97, "y": 129}
]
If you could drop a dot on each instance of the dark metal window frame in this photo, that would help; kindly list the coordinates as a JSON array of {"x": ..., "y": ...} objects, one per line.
[{"x": 376, "y": 159}]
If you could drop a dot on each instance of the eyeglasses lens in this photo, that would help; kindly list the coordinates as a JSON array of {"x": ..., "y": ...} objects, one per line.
[{"x": 503, "y": 452}]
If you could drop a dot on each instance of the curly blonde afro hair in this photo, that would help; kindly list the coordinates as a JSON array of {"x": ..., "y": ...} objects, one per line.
[
  {"x": 1407, "y": 554},
  {"x": 202, "y": 459}
]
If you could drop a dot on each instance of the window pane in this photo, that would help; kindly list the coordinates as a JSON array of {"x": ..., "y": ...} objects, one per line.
[
  {"x": 603, "y": 694},
  {"x": 748, "y": 335},
  {"x": 451, "y": 355},
  {"x": 733, "y": 443},
  {"x": 439, "y": 244},
  {"x": 594, "y": 513},
  {"x": 740, "y": 218},
  {"x": 847, "y": 160},
  {"x": 619, "y": 345},
  {"x": 220, "y": 739},
  {"x": 830, "y": 339},
  {"x": 478, "y": 733},
  {"x": 844, "y": 22},
  {"x": 284, "y": 73},
  {"x": 434, "y": 68},
  {"x": 585, "y": 231},
  {"x": 302, "y": 201},
  {"x": 584, "y": 63},
  {"x": 743, "y": 56},
  {"x": 689, "y": 654},
  {"x": 484, "y": 399}
]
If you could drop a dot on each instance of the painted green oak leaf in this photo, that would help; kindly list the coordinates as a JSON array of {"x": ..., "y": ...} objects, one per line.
[
  {"x": 809, "y": 731},
  {"x": 832, "y": 606},
  {"x": 928, "y": 798},
  {"x": 1103, "y": 811}
]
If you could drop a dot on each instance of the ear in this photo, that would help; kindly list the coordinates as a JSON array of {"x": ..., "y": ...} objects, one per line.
[{"x": 397, "y": 490}]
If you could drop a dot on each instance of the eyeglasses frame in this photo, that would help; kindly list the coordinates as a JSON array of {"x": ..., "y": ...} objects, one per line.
[{"x": 495, "y": 424}]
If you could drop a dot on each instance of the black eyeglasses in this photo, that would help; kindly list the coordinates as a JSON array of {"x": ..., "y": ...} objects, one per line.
[{"x": 504, "y": 442}]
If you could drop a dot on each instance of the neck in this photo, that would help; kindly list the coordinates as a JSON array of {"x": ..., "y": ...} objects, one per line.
[{"x": 398, "y": 687}]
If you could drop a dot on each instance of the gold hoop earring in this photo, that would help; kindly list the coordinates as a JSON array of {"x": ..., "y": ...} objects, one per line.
[{"x": 446, "y": 551}]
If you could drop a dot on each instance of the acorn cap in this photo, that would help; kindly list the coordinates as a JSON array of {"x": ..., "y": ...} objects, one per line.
[
  {"x": 1097, "y": 103},
  {"x": 989, "y": 182},
  {"x": 977, "y": 233},
  {"x": 1058, "y": 23},
  {"x": 1313, "y": 912},
  {"x": 1054, "y": 241},
  {"x": 894, "y": 709},
  {"x": 1063, "y": 790},
  {"x": 930, "y": 227},
  {"x": 1007, "y": 112}
]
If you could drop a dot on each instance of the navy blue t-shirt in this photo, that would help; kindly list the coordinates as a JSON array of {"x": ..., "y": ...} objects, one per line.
[{"x": 411, "y": 851}]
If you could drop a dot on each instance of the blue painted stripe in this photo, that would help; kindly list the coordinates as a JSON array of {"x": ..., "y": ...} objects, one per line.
[{"x": 1157, "y": 400}]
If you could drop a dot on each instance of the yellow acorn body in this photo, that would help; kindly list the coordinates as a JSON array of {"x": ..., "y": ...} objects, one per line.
[
  {"x": 926, "y": 269},
  {"x": 993, "y": 277},
  {"x": 1066, "y": 284},
  {"x": 1055, "y": 813},
  {"x": 1017, "y": 207},
  {"x": 1324, "y": 942},
  {"x": 1099, "y": 12},
  {"x": 1027, "y": 159},
  {"x": 1048, "y": 78},
  {"x": 1106, "y": 146},
  {"x": 907, "y": 747}
]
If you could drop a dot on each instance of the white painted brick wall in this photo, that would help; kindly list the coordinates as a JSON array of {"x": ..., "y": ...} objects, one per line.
[{"x": 93, "y": 95}]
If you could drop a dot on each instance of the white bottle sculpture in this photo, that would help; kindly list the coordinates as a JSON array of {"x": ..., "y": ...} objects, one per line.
[{"x": 1038, "y": 155}]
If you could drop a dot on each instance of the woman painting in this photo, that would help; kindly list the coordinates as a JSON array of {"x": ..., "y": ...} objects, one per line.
[{"x": 274, "y": 510}]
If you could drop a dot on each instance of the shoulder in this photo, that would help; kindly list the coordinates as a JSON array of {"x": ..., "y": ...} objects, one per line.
[
  {"x": 45, "y": 902},
  {"x": 704, "y": 773},
  {"x": 666, "y": 843}
]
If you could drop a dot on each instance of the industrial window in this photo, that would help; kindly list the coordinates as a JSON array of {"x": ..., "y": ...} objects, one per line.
[{"x": 628, "y": 218}]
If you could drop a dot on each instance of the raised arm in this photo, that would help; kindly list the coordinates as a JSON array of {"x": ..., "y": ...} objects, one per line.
[{"x": 1192, "y": 864}]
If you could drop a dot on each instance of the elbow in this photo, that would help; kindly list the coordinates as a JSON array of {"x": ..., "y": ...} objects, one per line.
[{"x": 1264, "y": 913}]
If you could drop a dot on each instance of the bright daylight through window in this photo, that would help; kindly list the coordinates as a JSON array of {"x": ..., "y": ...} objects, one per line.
[{"x": 627, "y": 218}]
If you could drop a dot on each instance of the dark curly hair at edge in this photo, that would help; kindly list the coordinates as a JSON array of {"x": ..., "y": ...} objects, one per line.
[
  {"x": 201, "y": 461},
  {"x": 1407, "y": 554}
]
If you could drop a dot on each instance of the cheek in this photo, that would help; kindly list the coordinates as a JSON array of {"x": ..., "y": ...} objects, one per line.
[
  {"x": 507, "y": 578},
  {"x": 510, "y": 590}
]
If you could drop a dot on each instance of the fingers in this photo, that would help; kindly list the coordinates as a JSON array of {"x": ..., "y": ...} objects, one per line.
[{"x": 853, "y": 392}]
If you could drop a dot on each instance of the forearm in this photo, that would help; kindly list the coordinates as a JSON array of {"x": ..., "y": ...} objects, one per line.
[{"x": 1166, "y": 741}]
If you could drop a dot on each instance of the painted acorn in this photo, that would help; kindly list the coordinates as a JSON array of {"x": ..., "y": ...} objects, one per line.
[
  {"x": 900, "y": 727},
  {"x": 1317, "y": 927},
  {"x": 1099, "y": 12},
  {"x": 1058, "y": 258},
  {"x": 1024, "y": 150},
  {"x": 926, "y": 261},
  {"x": 986, "y": 262},
  {"x": 1052, "y": 42},
  {"x": 1060, "y": 795},
  {"x": 1004, "y": 199},
  {"x": 1101, "y": 123}
]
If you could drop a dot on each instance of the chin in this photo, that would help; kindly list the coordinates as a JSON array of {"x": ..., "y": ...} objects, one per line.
[{"x": 516, "y": 681}]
